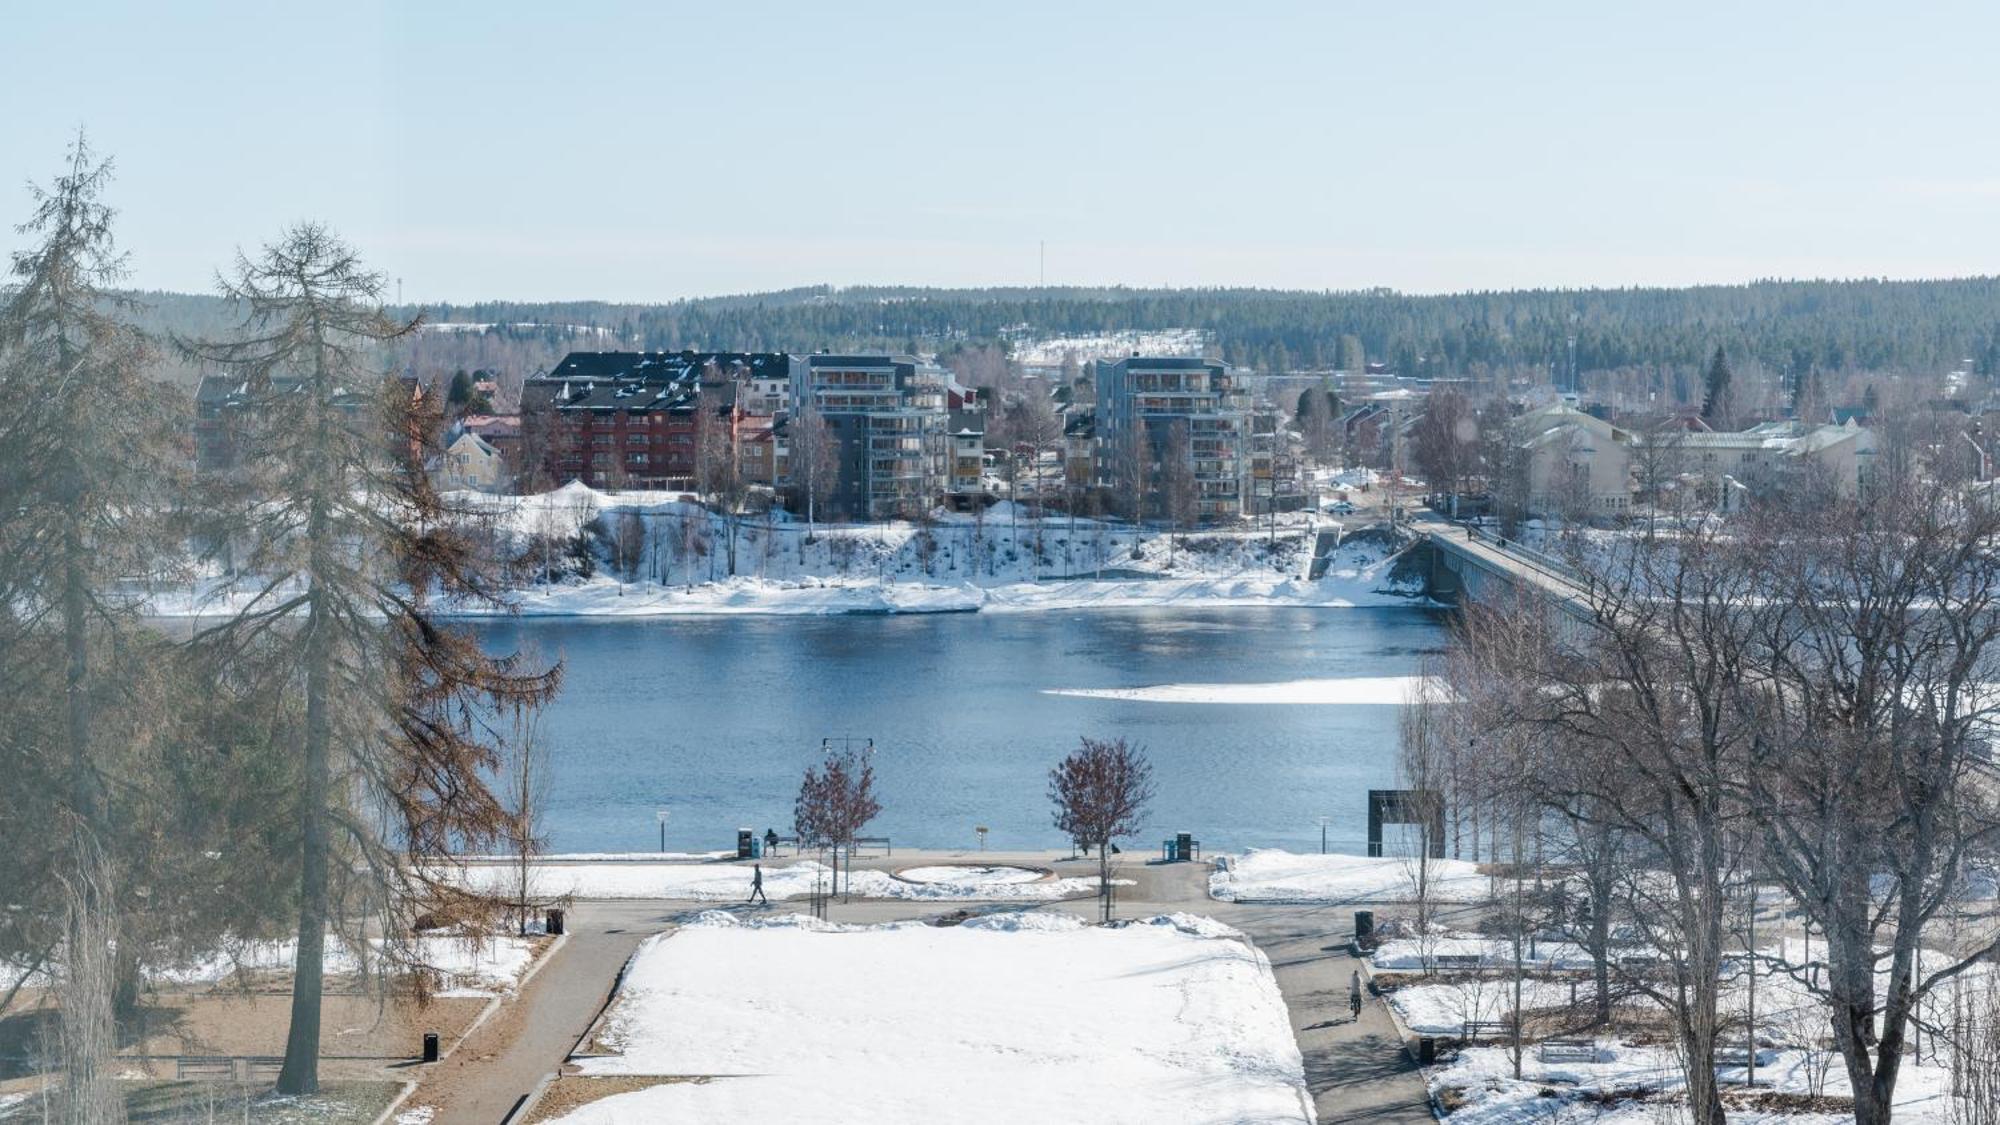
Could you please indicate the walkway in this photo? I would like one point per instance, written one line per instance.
(1355, 1071)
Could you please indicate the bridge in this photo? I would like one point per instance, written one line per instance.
(1462, 562)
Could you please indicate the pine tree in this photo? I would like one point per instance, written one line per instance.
(352, 549)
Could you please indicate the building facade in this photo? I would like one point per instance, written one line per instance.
(636, 419)
(889, 417)
(1174, 414)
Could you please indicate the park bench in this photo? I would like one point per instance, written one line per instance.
(1457, 960)
(1478, 1030)
(873, 842)
(211, 1067)
(1568, 1050)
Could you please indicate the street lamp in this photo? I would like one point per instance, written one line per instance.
(1322, 833)
(661, 815)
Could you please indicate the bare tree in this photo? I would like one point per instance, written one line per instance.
(836, 799)
(527, 791)
(1100, 793)
(1445, 444)
(1876, 636)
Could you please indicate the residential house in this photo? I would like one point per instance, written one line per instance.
(471, 462)
(1576, 462)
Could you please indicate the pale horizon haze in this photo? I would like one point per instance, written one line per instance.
(650, 152)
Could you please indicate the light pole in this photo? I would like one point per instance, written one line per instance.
(1322, 833)
(661, 815)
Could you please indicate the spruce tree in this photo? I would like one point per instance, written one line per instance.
(1717, 403)
(352, 552)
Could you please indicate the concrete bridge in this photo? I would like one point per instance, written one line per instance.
(1462, 562)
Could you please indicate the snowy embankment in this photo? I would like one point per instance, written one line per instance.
(1006, 1018)
(460, 966)
(652, 554)
(1356, 690)
(1271, 875)
(724, 882)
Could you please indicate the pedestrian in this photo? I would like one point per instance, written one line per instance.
(757, 885)
(1354, 993)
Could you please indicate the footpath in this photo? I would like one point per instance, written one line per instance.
(1355, 1070)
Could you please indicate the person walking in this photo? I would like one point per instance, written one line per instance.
(1354, 994)
(757, 885)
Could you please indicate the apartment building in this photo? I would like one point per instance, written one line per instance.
(890, 418)
(1145, 404)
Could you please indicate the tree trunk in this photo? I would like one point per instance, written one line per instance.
(300, 1073)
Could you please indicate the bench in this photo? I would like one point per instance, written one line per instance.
(210, 1067)
(1567, 1050)
(873, 842)
(1477, 1030)
(1457, 960)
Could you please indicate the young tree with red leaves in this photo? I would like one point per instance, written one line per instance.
(835, 800)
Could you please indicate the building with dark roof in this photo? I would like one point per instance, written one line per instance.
(631, 419)
(889, 417)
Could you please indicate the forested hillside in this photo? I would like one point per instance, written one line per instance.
(1785, 327)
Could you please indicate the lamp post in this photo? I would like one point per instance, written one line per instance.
(661, 815)
(1322, 833)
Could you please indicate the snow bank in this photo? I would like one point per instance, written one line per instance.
(1271, 875)
(998, 1020)
(729, 882)
(464, 966)
(1482, 1078)
(1003, 562)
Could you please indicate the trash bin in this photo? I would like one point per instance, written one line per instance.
(430, 1046)
(1364, 927)
(1427, 1051)
(756, 848)
(554, 924)
(1184, 846)
(745, 839)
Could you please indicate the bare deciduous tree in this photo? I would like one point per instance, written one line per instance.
(1100, 791)
(836, 799)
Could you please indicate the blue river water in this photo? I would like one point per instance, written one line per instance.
(715, 719)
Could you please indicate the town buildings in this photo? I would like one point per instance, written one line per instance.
(1163, 416)
(889, 416)
(638, 419)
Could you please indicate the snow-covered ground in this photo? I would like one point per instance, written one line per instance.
(1047, 350)
(1271, 875)
(725, 882)
(960, 876)
(1481, 1082)
(1006, 1018)
(463, 966)
(1003, 562)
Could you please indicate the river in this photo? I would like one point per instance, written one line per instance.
(715, 718)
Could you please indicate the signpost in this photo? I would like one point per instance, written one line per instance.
(981, 829)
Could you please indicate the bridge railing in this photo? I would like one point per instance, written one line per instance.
(1546, 563)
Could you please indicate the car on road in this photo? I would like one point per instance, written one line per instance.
(1341, 508)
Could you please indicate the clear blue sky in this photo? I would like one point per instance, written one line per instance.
(649, 151)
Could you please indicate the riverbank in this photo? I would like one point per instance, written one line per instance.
(646, 554)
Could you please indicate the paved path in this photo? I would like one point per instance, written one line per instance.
(533, 1034)
(1355, 1071)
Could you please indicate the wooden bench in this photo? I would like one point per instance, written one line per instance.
(1567, 1050)
(872, 842)
(1477, 1030)
(212, 1068)
(1457, 960)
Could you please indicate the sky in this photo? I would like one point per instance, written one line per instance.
(655, 151)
